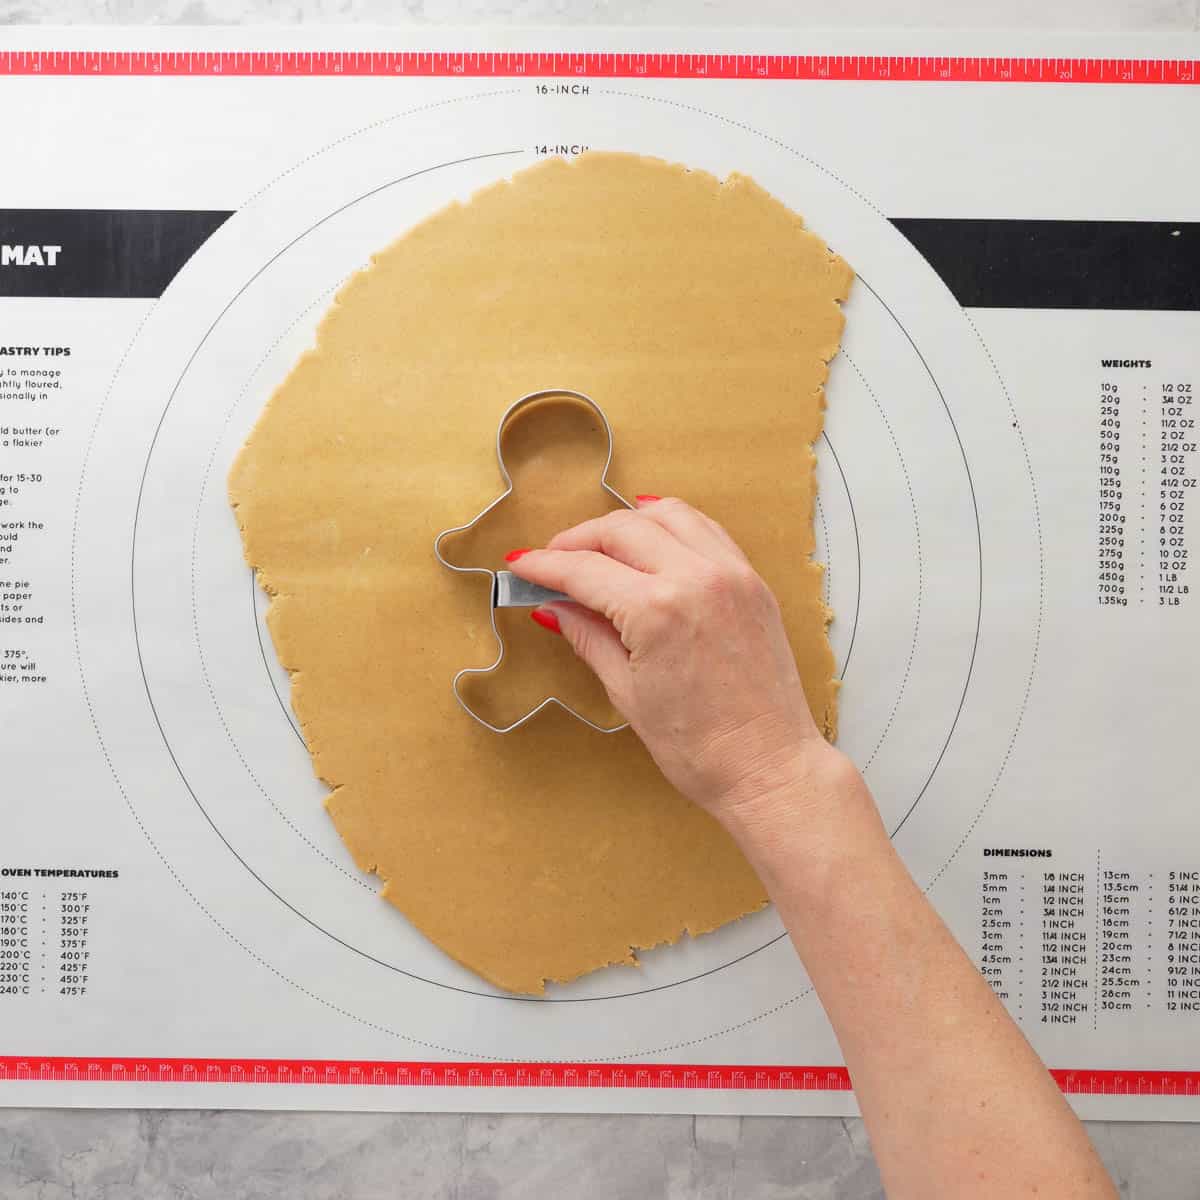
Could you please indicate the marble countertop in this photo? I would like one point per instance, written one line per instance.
(1147, 15)
(91, 1155)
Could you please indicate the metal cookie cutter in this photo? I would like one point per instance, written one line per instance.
(509, 590)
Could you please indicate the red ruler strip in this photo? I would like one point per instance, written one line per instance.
(674, 1076)
(492, 64)
(425, 1074)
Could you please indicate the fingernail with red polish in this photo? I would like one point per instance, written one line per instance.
(647, 498)
(513, 555)
(546, 619)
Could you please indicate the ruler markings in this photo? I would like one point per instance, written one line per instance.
(714, 1077)
(474, 64)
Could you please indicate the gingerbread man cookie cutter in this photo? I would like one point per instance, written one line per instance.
(509, 590)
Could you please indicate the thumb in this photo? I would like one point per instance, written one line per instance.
(594, 640)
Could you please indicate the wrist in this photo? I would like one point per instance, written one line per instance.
(807, 776)
(808, 823)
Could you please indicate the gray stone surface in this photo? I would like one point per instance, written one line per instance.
(82, 1155)
(339, 1156)
(85, 1155)
(928, 14)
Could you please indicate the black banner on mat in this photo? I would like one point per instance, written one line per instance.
(985, 263)
(1062, 264)
(97, 252)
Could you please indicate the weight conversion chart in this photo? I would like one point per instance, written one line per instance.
(1008, 512)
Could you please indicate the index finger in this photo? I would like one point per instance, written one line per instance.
(589, 578)
(629, 536)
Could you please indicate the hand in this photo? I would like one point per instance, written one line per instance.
(688, 642)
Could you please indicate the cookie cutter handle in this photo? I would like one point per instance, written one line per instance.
(511, 591)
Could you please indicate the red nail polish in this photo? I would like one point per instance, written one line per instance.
(647, 498)
(546, 619)
(513, 555)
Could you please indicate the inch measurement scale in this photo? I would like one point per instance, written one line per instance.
(669, 1076)
(508, 65)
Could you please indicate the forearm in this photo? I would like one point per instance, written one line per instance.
(690, 645)
(955, 1100)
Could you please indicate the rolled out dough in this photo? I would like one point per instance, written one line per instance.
(701, 316)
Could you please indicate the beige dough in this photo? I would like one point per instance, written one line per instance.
(701, 316)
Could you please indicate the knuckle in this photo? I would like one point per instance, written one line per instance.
(663, 605)
(614, 527)
(622, 518)
(734, 582)
(718, 579)
(665, 597)
(670, 504)
(748, 580)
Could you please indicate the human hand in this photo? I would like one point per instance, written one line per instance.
(689, 643)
